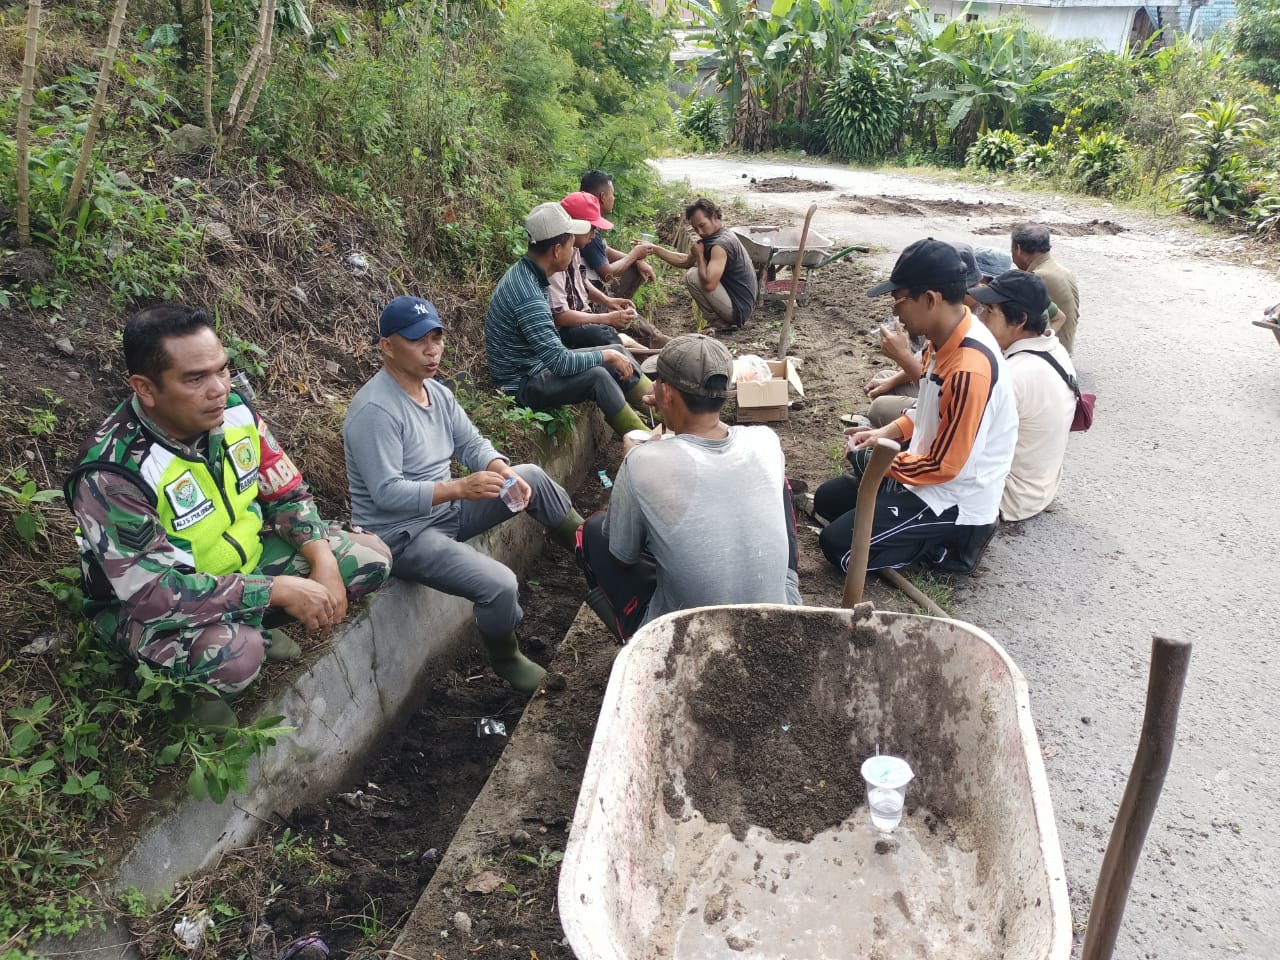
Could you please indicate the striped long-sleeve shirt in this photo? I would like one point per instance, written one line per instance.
(963, 429)
(520, 336)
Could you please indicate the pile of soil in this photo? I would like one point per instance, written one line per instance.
(914, 207)
(774, 749)
(789, 185)
(1104, 228)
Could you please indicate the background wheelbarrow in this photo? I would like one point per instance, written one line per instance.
(773, 247)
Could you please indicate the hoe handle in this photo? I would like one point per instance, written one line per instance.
(855, 578)
(1169, 662)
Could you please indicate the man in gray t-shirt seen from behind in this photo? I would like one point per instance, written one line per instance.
(402, 432)
(700, 513)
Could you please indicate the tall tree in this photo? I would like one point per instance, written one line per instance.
(99, 107)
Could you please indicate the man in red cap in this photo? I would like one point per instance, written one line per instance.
(585, 315)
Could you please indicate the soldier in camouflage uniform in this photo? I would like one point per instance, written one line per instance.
(195, 526)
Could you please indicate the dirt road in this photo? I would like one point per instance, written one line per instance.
(1166, 523)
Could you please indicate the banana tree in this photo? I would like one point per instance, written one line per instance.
(988, 76)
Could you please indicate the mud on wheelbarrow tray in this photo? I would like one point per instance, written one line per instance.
(723, 815)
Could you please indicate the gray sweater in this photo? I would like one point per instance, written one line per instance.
(397, 451)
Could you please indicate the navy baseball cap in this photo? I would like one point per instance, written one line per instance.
(923, 264)
(1015, 286)
(971, 273)
(992, 262)
(411, 317)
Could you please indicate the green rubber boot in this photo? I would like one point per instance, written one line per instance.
(626, 419)
(200, 712)
(512, 665)
(566, 535)
(635, 396)
(281, 646)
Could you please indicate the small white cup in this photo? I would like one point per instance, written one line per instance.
(887, 778)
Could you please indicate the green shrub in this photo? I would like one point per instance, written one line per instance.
(1216, 183)
(1099, 161)
(995, 150)
(1257, 39)
(1264, 215)
(1036, 158)
(1214, 193)
(703, 122)
(861, 111)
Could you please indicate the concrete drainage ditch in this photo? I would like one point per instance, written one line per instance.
(367, 677)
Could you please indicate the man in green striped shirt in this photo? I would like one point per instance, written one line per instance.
(527, 358)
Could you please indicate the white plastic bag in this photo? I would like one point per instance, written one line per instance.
(753, 369)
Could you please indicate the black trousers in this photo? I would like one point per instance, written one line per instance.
(628, 590)
(904, 530)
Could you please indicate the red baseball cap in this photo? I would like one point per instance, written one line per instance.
(585, 206)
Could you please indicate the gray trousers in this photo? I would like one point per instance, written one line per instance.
(544, 390)
(714, 302)
(884, 410)
(437, 557)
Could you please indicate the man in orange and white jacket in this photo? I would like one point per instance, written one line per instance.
(940, 501)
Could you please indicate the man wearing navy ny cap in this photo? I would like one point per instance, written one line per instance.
(402, 431)
(940, 500)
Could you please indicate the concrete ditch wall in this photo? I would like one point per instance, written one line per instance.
(341, 701)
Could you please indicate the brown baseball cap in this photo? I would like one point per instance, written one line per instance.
(695, 364)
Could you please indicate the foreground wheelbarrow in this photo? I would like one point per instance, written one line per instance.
(722, 813)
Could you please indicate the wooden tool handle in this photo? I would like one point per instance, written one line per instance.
(1169, 662)
(784, 342)
(855, 578)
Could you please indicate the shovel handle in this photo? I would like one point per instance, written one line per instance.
(1169, 662)
(855, 578)
(784, 342)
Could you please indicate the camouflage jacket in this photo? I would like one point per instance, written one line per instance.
(128, 561)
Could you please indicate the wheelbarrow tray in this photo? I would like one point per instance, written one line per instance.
(661, 863)
(778, 246)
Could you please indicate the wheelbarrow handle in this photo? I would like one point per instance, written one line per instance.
(1169, 662)
(855, 578)
(840, 255)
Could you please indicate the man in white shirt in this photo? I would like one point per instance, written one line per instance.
(701, 517)
(940, 500)
(1013, 307)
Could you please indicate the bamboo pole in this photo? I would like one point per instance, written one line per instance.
(22, 135)
(247, 72)
(260, 79)
(99, 107)
(207, 20)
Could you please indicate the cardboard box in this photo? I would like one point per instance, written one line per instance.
(766, 401)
